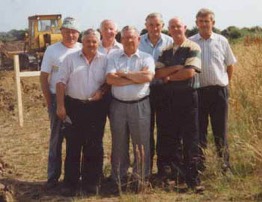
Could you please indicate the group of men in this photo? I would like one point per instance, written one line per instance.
(172, 81)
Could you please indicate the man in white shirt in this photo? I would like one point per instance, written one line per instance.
(217, 68)
(129, 72)
(82, 80)
(108, 43)
(52, 60)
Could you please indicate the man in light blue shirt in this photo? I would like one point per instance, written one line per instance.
(154, 42)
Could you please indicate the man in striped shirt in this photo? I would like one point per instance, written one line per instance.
(217, 68)
(178, 67)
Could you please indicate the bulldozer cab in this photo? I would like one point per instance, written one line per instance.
(43, 30)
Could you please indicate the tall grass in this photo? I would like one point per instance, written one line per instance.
(246, 105)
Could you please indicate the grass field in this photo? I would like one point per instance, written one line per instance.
(23, 151)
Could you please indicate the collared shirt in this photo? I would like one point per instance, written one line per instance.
(53, 59)
(187, 54)
(146, 45)
(82, 78)
(116, 46)
(118, 60)
(216, 57)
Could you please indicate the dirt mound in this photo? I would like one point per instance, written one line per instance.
(12, 45)
(31, 92)
(7, 50)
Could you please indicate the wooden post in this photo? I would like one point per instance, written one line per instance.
(19, 74)
(18, 91)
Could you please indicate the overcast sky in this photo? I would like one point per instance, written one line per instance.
(240, 13)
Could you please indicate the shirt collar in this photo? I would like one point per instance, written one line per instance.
(137, 53)
(98, 54)
(148, 40)
(115, 45)
(211, 37)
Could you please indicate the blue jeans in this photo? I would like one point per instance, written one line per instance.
(55, 143)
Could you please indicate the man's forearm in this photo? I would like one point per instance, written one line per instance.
(140, 76)
(230, 70)
(45, 88)
(116, 80)
(167, 71)
(182, 74)
(60, 94)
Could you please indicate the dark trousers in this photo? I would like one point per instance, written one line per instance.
(213, 104)
(177, 146)
(84, 155)
(155, 98)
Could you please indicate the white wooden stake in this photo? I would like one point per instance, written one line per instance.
(18, 91)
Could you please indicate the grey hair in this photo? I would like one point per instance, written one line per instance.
(129, 28)
(155, 15)
(104, 21)
(205, 12)
(91, 31)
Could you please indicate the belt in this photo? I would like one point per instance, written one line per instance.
(131, 101)
(78, 100)
(216, 87)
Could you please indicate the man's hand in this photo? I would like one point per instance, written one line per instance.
(61, 112)
(96, 96)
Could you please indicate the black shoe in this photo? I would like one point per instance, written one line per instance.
(51, 184)
(68, 191)
(90, 189)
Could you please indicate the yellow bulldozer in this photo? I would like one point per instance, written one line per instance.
(43, 30)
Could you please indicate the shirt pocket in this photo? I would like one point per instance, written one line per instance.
(217, 54)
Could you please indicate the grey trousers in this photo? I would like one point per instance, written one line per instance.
(130, 121)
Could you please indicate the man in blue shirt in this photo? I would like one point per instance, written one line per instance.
(154, 42)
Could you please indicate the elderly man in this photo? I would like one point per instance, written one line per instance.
(154, 42)
(217, 68)
(179, 66)
(81, 80)
(130, 72)
(52, 62)
(108, 44)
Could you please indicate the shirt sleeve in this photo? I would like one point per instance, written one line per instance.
(47, 61)
(194, 58)
(64, 72)
(230, 58)
(150, 63)
(111, 64)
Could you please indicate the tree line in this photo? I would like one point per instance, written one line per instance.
(232, 33)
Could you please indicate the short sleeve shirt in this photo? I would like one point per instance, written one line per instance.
(187, 54)
(82, 78)
(216, 57)
(120, 61)
(53, 59)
